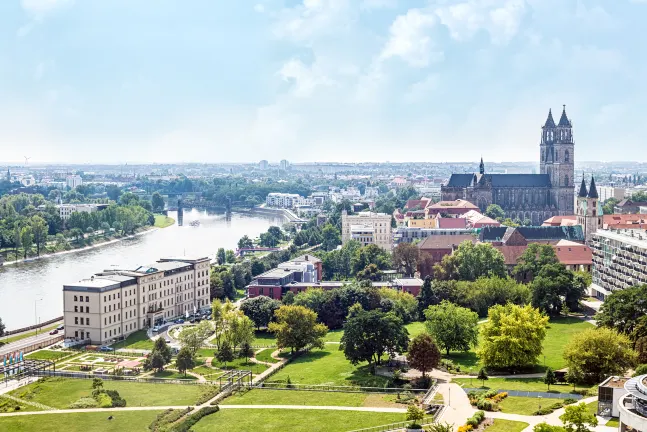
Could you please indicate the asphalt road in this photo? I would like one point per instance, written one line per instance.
(23, 343)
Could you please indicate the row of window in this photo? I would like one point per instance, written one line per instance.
(111, 318)
(87, 309)
(80, 298)
(81, 321)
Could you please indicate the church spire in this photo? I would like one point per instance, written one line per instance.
(550, 123)
(583, 192)
(564, 121)
(593, 192)
(482, 166)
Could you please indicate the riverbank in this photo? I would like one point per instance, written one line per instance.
(92, 246)
(287, 214)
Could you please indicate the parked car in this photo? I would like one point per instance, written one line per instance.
(179, 321)
(53, 332)
(156, 329)
(61, 327)
(106, 349)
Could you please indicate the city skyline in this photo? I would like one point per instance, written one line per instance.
(371, 80)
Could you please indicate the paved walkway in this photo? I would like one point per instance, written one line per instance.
(311, 407)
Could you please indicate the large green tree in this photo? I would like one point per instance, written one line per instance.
(193, 338)
(595, 354)
(470, 262)
(512, 337)
(184, 360)
(157, 202)
(552, 283)
(260, 309)
(495, 212)
(331, 237)
(578, 418)
(405, 258)
(623, 309)
(40, 229)
(423, 354)
(533, 259)
(453, 327)
(296, 327)
(369, 335)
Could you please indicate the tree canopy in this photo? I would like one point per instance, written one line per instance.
(260, 309)
(423, 354)
(453, 327)
(470, 262)
(296, 327)
(623, 309)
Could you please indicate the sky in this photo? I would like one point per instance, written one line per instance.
(159, 81)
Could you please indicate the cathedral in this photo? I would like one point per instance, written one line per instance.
(535, 197)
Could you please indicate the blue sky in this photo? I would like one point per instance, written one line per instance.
(318, 80)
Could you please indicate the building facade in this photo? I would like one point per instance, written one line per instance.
(589, 210)
(534, 197)
(74, 181)
(66, 210)
(619, 260)
(115, 303)
(632, 406)
(379, 223)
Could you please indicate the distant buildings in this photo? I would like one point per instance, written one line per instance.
(73, 181)
(627, 206)
(283, 200)
(608, 192)
(115, 303)
(620, 260)
(66, 210)
(284, 165)
(367, 225)
(263, 165)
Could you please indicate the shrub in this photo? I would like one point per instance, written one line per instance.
(188, 422)
(569, 401)
(86, 402)
(167, 417)
(464, 428)
(490, 394)
(207, 394)
(499, 397)
(104, 401)
(487, 405)
(640, 370)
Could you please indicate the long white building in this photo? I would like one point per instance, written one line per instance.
(115, 303)
(368, 228)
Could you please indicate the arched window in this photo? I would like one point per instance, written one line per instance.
(566, 156)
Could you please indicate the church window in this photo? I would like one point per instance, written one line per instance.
(566, 156)
(566, 181)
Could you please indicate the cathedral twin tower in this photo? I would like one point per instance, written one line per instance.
(557, 160)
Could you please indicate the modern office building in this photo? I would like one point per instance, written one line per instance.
(619, 260)
(115, 303)
(380, 223)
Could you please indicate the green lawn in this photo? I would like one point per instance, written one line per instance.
(275, 420)
(266, 356)
(264, 339)
(415, 328)
(60, 392)
(296, 397)
(80, 422)
(9, 339)
(240, 364)
(334, 336)
(47, 355)
(328, 366)
(169, 374)
(521, 384)
(162, 221)
(593, 407)
(525, 405)
(501, 425)
(559, 332)
(614, 422)
(137, 340)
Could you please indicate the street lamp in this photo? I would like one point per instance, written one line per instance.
(35, 315)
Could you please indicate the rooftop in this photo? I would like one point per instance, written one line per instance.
(409, 282)
(615, 382)
(629, 236)
(454, 204)
(445, 241)
(310, 258)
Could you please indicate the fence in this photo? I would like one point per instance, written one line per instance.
(332, 388)
(429, 396)
(396, 426)
(33, 327)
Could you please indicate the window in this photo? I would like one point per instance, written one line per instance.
(566, 156)
(81, 298)
(87, 321)
(76, 308)
(87, 309)
(76, 334)
(87, 299)
(76, 320)
(75, 298)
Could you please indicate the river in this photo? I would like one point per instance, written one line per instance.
(22, 286)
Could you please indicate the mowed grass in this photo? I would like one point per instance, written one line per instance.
(137, 340)
(334, 336)
(47, 355)
(296, 397)
(501, 425)
(266, 356)
(559, 332)
(521, 384)
(415, 328)
(264, 338)
(80, 422)
(169, 374)
(525, 405)
(60, 392)
(162, 221)
(279, 420)
(328, 366)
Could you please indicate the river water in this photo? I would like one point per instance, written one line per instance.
(23, 285)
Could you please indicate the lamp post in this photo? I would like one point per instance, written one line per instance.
(35, 314)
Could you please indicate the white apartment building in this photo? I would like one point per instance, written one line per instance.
(74, 181)
(619, 260)
(371, 192)
(66, 210)
(115, 303)
(606, 192)
(379, 222)
(285, 200)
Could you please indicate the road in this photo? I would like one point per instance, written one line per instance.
(23, 343)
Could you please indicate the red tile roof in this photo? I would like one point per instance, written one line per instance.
(511, 253)
(451, 223)
(454, 204)
(571, 253)
(561, 221)
(621, 221)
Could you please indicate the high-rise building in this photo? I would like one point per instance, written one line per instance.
(284, 165)
(74, 181)
(263, 165)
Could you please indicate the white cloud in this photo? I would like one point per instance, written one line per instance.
(466, 18)
(38, 7)
(378, 4)
(305, 79)
(421, 90)
(311, 19)
(409, 39)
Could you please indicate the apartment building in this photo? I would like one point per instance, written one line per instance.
(74, 181)
(286, 200)
(114, 303)
(380, 223)
(619, 260)
(66, 210)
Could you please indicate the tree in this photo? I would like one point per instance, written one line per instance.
(193, 338)
(97, 383)
(512, 337)
(27, 238)
(550, 378)
(275, 232)
(405, 258)
(370, 273)
(423, 354)
(154, 361)
(260, 309)
(368, 335)
(228, 286)
(369, 254)
(296, 328)
(545, 427)
(246, 351)
(241, 329)
(225, 354)
(162, 347)
(453, 327)
(470, 262)
(245, 242)
(485, 292)
(415, 416)
(425, 297)
(577, 418)
(184, 360)
(554, 282)
(623, 309)
(40, 229)
(230, 256)
(220, 256)
(482, 376)
(533, 259)
(331, 237)
(594, 354)
(17, 239)
(288, 298)
(609, 205)
(495, 212)
(640, 346)
(157, 202)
